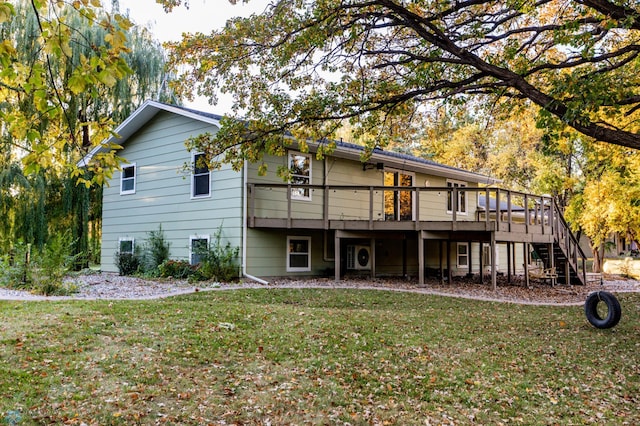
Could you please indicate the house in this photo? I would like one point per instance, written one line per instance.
(393, 215)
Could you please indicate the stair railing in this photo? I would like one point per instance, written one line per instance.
(569, 244)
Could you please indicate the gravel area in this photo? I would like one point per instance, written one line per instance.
(114, 287)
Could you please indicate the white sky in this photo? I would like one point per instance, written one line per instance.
(202, 16)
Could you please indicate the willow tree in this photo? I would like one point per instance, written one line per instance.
(303, 67)
(69, 73)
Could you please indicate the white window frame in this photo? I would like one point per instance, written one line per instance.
(460, 184)
(298, 269)
(194, 175)
(460, 255)
(133, 244)
(197, 237)
(295, 192)
(134, 178)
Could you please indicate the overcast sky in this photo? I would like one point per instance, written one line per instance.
(202, 16)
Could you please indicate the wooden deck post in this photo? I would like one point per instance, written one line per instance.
(509, 262)
(552, 261)
(420, 258)
(480, 260)
(448, 262)
(494, 273)
(441, 268)
(336, 262)
(513, 257)
(525, 256)
(469, 258)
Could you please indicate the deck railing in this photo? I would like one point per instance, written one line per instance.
(357, 202)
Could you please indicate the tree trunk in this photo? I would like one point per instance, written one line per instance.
(598, 257)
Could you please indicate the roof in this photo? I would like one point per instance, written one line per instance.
(345, 150)
(139, 118)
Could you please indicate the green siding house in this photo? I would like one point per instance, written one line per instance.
(394, 215)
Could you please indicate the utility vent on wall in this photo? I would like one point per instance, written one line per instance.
(358, 257)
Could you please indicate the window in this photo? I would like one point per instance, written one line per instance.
(198, 247)
(128, 179)
(300, 168)
(201, 177)
(398, 204)
(461, 200)
(298, 254)
(125, 245)
(463, 255)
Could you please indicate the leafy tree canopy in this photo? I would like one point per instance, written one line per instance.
(305, 66)
(59, 61)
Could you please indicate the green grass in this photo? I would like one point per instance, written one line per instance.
(315, 357)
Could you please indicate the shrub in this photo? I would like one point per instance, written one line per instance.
(53, 264)
(219, 262)
(176, 269)
(155, 252)
(41, 272)
(127, 263)
(15, 271)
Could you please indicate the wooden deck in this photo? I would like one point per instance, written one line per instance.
(490, 215)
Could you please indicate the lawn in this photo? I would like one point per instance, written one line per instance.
(315, 357)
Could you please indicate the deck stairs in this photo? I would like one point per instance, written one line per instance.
(564, 253)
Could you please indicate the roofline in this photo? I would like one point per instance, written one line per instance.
(139, 118)
(406, 162)
(150, 108)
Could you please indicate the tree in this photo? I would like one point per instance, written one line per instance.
(68, 74)
(607, 201)
(53, 71)
(302, 67)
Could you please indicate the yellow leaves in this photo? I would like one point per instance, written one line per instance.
(76, 83)
(6, 11)
(107, 78)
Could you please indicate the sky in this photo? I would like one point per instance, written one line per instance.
(201, 16)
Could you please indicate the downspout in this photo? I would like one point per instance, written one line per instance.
(244, 228)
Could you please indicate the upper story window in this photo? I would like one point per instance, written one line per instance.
(200, 177)
(300, 167)
(398, 203)
(461, 199)
(128, 179)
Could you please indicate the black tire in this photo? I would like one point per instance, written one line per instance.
(613, 307)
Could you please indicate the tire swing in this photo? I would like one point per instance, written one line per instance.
(614, 312)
